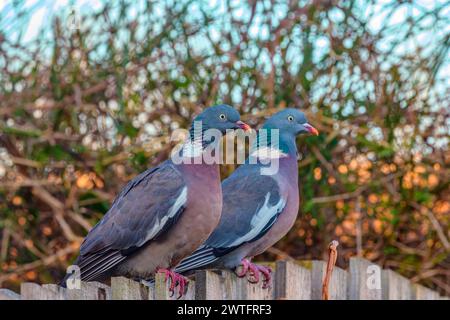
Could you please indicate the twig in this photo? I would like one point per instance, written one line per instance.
(429, 274)
(43, 262)
(41, 193)
(436, 225)
(5, 243)
(409, 250)
(26, 162)
(58, 210)
(26, 183)
(280, 253)
(336, 197)
(359, 227)
(22, 242)
(326, 164)
(78, 218)
(332, 256)
(441, 284)
(350, 195)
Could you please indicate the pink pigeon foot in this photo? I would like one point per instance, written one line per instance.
(175, 279)
(267, 273)
(253, 270)
(244, 264)
(253, 273)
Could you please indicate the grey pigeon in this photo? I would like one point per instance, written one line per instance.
(163, 214)
(258, 209)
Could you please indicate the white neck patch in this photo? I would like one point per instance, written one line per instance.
(268, 153)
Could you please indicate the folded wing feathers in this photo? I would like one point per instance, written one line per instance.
(93, 274)
(201, 257)
(95, 264)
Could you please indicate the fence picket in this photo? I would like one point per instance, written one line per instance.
(395, 287)
(292, 281)
(30, 291)
(420, 292)
(126, 289)
(364, 280)
(6, 294)
(338, 282)
(208, 285)
(90, 291)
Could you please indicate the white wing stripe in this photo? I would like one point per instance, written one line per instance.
(260, 220)
(94, 273)
(200, 252)
(159, 225)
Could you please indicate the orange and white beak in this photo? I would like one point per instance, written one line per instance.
(243, 126)
(311, 129)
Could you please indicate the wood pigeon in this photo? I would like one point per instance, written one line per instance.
(258, 208)
(163, 214)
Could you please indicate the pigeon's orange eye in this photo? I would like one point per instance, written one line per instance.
(290, 118)
(222, 116)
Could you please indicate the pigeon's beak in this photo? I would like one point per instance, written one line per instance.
(311, 129)
(243, 126)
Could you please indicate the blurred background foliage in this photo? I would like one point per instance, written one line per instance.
(90, 95)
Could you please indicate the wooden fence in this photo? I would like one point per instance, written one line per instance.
(291, 280)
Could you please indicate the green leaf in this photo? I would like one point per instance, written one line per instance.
(126, 128)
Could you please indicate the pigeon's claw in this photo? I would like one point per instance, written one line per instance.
(267, 273)
(245, 266)
(182, 282)
(176, 279)
(253, 272)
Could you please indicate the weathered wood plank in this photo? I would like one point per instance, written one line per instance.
(209, 285)
(395, 287)
(292, 281)
(55, 291)
(231, 290)
(364, 282)
(225, 285)
(6, 294)
(151, 291)
(254, 291)
(90, 291)
(420, 292)
(338, 282)
(31, 291)
(126, 289)
(162, 289)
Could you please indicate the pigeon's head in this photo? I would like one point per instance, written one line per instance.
(290, 122)
(221, 117)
